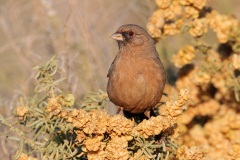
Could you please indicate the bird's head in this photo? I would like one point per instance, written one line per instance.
(132, 35)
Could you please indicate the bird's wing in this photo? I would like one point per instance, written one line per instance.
(112, 66)
(109, 70)
(157, 63)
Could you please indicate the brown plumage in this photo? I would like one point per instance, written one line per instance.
(137, 76)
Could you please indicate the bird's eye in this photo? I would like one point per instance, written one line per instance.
(130, 33)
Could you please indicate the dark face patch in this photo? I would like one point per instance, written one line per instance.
(128, 35)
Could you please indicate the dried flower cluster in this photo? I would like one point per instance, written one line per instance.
(167, 119)
(198, 27)
(209, 128)
(24, 156)
(190, 153)
(184, 56)
(172, 15)
(224, 26)
(92, 126)
(235, 61)
(21, 112)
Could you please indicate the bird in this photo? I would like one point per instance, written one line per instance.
(136, 77)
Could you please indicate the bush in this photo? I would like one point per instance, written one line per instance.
(210, 69)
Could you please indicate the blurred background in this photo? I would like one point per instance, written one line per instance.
(78, 32)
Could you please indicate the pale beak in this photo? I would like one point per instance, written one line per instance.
(117, 36)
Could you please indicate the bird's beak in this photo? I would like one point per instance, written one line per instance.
(117, 36)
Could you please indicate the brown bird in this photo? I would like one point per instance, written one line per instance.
(136, 76)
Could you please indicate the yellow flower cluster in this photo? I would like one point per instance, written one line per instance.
(96, 123)
(172, 28)
(24, 156)
(21, 112)
(220, 82)
(192, 7)
(168, 11)
(184, 56)
(202, 77)
(190, 153)
(217, 135)
(208, 108)
(199, 4)
(163, 3)
(222, 25)
(223, 78)
(93, 144)
(172, 11)
(155, 22)
(198, 27)
(99, 122)
(217, 72)
(55, 104)
(186, 80)
(168, 19)
(215, 100)
(169, 114)
(169, 8)
(119, 125)
(235, 59)
(234, 152)
(80, 137)
(153, 126)
(211, 121)
(92, 122)
(91, 127)
(191, 12)
(95, 148)
(173, 15)
(117, 148)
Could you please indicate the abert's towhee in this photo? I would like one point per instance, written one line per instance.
(137, 76)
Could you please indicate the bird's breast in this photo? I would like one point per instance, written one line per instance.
(133, 80)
